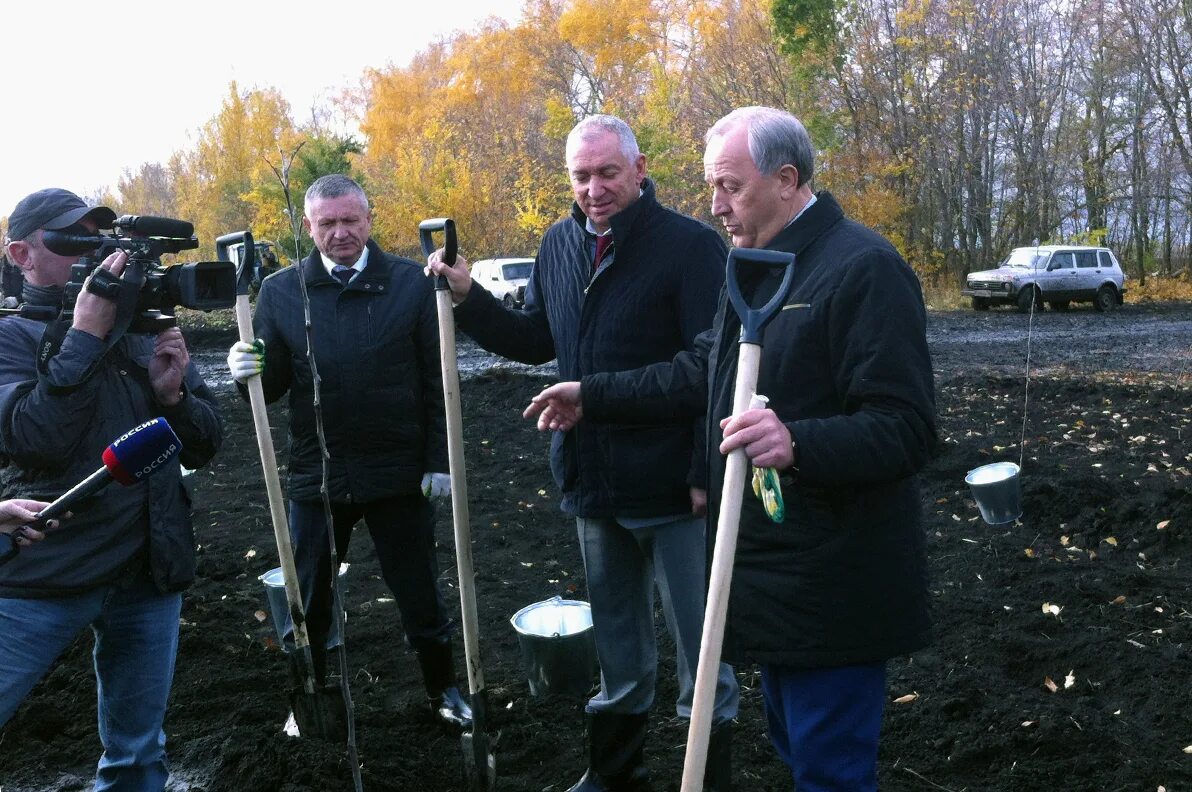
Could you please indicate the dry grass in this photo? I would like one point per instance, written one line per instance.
(1157, 289)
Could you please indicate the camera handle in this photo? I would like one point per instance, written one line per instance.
(126, 296)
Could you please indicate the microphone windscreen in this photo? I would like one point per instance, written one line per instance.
(141, 451)
(158, 226)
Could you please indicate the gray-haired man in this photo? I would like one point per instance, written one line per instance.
(376, 345)
(620, 283)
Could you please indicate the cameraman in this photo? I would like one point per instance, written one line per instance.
(120, 564)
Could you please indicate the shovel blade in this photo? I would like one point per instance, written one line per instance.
(320, 714)
(480, 765)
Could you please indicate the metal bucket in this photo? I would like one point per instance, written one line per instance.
(558, 646)
(279, 606)
(997, 490)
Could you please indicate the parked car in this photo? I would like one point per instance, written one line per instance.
(505, 278)
(1053, 274)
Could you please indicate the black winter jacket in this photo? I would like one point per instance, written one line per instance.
(649, 302)
(845, 365)
(52, 440)
(376, 345)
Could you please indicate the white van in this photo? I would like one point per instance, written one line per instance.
(504, 278)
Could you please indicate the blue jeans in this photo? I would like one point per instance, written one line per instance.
(825, 724)
(622, 565)
(136, 641)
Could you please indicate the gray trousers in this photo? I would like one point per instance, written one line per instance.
(622, 565)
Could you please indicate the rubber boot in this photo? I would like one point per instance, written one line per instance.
(616, 761)
(447, 704)
(718, 769)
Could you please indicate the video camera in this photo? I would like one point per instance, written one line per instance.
(203, 285)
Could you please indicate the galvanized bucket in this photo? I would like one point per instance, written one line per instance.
(558, 646)
(997, 490)
(279, 606)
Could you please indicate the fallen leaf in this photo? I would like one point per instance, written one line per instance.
(907, 699)
(1069, 680)
(1029, 552)
(1188, 749)
(251, 554)
(1064, 540)
(261, 615)
(1053, 610)
(1120, 599)
(1050, 685)
(1163, 525)
(1111, 540)
(1028, 724)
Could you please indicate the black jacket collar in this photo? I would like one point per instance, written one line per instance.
(818, 218)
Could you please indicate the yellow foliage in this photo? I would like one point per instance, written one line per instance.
(1160, 289)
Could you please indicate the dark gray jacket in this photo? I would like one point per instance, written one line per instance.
(649, 302)
(52, 440)
(377, 352)
(845, 365)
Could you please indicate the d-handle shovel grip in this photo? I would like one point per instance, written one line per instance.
(753, 321)
(426, 234)
(247, 264)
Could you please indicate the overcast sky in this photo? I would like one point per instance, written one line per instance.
(91, 88)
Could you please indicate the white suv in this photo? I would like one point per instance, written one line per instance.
(505, 278)
(1055, 274)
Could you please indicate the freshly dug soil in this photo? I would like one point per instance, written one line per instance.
(1086, 594)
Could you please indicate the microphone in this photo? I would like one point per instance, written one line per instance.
(132, 457)
(156, 226)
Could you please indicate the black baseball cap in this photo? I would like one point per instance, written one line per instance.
(53, 209)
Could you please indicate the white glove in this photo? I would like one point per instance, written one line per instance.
(436, 485)
(246, 360)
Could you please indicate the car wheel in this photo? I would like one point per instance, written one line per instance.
(1026, 296)
(509, 301)
(1058, 305)
(1106, 299)
(980, 303)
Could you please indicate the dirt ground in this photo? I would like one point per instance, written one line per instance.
(1062, 658)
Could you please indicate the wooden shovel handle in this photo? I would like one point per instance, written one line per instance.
(459, 493)
(277, 508)
(719, 581)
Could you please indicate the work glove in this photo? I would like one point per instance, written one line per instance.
(436, 485)
(246, 360)
(766, 486)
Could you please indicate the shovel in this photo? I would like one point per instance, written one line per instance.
(479, 764)
(749, 355)
(318, 711)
